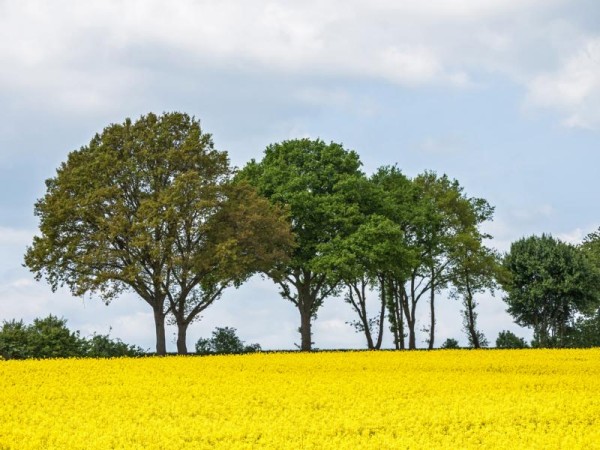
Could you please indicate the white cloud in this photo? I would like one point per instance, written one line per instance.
(573, 89)
(91, 56)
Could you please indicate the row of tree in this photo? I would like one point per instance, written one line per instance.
(152, 207)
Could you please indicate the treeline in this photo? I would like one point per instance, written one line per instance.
(152, 207)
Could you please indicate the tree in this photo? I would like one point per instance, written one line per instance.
(474, 269)
(141, 208)
(435, 216)
(311, 178)
(397, 202)
(549, 282)
(363, 260)
(507, 339)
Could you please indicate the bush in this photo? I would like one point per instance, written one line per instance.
(450, 344)
(507, 339)
(102, 346)
(14, 340)
(50, 338)
(224, 341)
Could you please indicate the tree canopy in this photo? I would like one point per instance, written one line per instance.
(548, 283)
(150, 206)
(314, 180)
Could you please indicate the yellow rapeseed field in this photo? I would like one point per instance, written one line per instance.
(453, 399)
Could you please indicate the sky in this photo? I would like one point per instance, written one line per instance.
(502, 95)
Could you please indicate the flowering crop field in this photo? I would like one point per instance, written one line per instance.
(340, 400)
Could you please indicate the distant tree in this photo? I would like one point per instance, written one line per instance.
(145, 207)
(450, 343)
(312, 179)
(549, 283)
(224, 341)
(507, 339)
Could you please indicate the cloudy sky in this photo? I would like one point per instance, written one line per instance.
(503, 95)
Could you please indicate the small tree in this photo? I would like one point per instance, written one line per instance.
(507, 339)
(224, 341)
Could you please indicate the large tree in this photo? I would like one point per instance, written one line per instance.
(314, 180)
(548, 283)
(150, 206)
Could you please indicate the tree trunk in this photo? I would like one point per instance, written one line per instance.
(432, 309)
(400, 322)
(181, 338)
(409, 313)
(305, 329)
(381, 313)
(159, 325)
(471, 318)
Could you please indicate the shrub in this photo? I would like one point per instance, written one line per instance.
(450, 344)
(102, 346)
(50, 338)
(507, 339)
(14, 340)
(224, 341)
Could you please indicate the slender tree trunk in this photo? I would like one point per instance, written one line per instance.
(383, 288)
(432, 310)
(409, 305)
(400, 321)
(393, 314)
(181, 338)
(159, 325)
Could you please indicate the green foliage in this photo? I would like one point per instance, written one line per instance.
(549, 282)
(317, 182)
(102, 346)
(507, 339)
(585, 332)
(224, 341)
(50, 338)
(14, 340)
(450, 343)
(150, 206)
